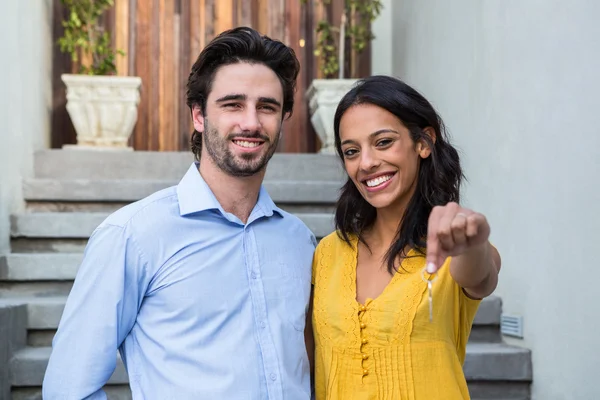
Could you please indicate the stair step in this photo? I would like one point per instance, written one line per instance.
(113, 392)
(170, 166)
(39, 266)
(497, 362)
(129, 190)
(45, 312)
(484, 363)
(28, 366)
(499, 390)
(79, 225)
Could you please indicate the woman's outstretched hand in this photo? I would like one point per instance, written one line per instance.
(452, 231)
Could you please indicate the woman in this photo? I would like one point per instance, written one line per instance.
(398, 226)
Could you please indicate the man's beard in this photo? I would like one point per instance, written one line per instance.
(246, 164)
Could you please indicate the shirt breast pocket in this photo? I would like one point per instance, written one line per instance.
(295, 291)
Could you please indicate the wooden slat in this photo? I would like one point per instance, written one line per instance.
(143, 60)
(62, 128)
(224, 15)
(166, 76)
(154, 114)
(263, 17)
(209, 20)
(295, 126)
(184, 61)
(132, 37)
(196, 26)
(276, 22)
(121, 36)
(254, 11)
(245, 13)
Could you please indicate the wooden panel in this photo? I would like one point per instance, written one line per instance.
(209, 20)
(263, 17)
(244, 13)
(166, 72)
(143, 60)
(121, 36)
(163, 38)
(185, 24)
(294, 129)
(61, 126)
(223, 15)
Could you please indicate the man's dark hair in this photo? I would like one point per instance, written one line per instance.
(233, 46)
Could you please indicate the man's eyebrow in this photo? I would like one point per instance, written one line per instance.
(269, 100)
(233, 96)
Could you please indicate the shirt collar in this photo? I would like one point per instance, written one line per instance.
(194, 195)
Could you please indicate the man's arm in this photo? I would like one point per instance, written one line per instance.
(99, 313)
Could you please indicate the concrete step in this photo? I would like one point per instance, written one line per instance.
(170, 166)
(129, 190)
(497, 390)
(79, 225)
(44, 312)
(28, 365)
(113, 392)
(39, 267)
(485, 362)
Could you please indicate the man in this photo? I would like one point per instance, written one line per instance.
(202, 287)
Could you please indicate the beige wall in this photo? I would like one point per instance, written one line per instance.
(518, 84)
(25, 98)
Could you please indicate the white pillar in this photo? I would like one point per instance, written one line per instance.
(25, 98)
(382, 46)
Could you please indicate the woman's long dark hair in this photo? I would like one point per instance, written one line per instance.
(439, 177)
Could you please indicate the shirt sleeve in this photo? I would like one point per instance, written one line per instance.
(99, 313)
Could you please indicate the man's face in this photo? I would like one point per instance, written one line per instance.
(242, 123)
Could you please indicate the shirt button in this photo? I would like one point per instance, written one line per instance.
(364, 356)
(365, 372)
(262, 324)
(363, 308)
(273, 377)
(365, 341)
(362, 326)
(253, 275)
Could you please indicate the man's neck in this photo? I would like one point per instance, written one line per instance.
(237, 195)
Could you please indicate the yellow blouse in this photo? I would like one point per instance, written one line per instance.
(387, 348)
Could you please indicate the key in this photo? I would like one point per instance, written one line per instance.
(429, 291)
(430, 301)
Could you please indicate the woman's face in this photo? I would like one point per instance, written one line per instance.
(379, 155)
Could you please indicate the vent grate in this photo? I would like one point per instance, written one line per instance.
(511, 325)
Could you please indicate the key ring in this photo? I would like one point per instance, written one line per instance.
(429, 289)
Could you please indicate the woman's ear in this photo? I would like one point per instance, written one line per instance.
(423, 147)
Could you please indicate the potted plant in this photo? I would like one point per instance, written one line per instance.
(101, 105)
(338, 48)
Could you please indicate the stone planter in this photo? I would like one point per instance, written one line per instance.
(323, 98)
(103, 109)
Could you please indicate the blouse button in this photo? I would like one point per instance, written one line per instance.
(363, 326)
(363, 308)
(365, 341)
(365, 372)
(364, 356)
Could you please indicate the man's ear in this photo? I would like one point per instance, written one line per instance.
(423, 147)
(198, 118)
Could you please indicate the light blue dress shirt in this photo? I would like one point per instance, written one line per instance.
(199, 304)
